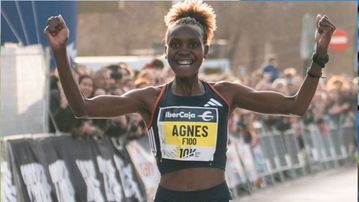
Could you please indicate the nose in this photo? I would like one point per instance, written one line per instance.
(183, 51)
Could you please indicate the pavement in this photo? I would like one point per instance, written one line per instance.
(335, 185)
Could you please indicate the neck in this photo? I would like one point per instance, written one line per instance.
(187, 86)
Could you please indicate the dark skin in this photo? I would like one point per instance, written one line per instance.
(185, 51)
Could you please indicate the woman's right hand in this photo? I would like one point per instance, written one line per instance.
(56, 33)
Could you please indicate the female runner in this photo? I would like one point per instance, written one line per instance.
(187, 117)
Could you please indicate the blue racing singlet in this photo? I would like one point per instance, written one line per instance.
(189, 131)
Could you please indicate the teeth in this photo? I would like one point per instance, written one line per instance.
(184, 62)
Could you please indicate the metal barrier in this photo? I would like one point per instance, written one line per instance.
(330, 148)
(282, 153)
(280, 156)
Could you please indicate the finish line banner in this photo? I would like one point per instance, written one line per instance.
(65, 169)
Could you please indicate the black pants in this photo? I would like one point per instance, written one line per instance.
(219, 193)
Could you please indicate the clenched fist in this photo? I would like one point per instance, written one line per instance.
(325, 29)
(56, 33)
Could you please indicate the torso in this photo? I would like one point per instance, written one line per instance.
(189, 179)
(192, 179)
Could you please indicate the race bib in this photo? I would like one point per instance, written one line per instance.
(188, 133)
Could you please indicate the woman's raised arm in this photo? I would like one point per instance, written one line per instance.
(276, 103)
(57, 35)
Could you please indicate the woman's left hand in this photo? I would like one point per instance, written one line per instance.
(323, 34)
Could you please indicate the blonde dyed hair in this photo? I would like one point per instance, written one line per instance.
(196, 13)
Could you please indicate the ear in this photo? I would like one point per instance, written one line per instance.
(166, 51)
(206, 48)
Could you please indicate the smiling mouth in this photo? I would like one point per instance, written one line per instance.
(184, 63)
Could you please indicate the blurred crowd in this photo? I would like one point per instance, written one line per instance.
(335, 98)
(114, 79)
(333, 104)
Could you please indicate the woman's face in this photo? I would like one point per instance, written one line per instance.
(86, 87)
(185, 49)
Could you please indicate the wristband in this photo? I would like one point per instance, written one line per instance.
(321, 61)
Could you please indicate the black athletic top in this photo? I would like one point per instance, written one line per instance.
(189, 131)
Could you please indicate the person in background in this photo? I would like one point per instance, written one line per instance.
(142, 82)
(86, 127)
(61, 117)
(271, 68)
(102, 78)
(118, 127)
(156, 64)
(156, 68)
(86, 85)
(265, 83)
(338, 103)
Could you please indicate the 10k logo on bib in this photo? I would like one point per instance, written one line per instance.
(188, 133)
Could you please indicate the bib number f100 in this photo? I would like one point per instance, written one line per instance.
(188, 133)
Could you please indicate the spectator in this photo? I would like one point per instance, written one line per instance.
(86, 127)
(338, 103)
(86, 85)
(292, 80)
(115, 77)
(102, 79)
(136, 126)
(156, 64)
(265, 83)
(141, 83)
(61, 116)
(117, 127)
(271, 68)
(281, 86)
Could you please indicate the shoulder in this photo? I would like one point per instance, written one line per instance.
(145, 97)
(231, 90)
(146, 92)
(225, 86)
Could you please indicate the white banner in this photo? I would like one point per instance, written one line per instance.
(23, 88)
(146, 166)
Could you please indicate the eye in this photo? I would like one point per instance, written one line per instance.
(193, 44)
(174, 45)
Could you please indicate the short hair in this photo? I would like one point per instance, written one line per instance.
(157, 63)
(85, 76)
(196, 13)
